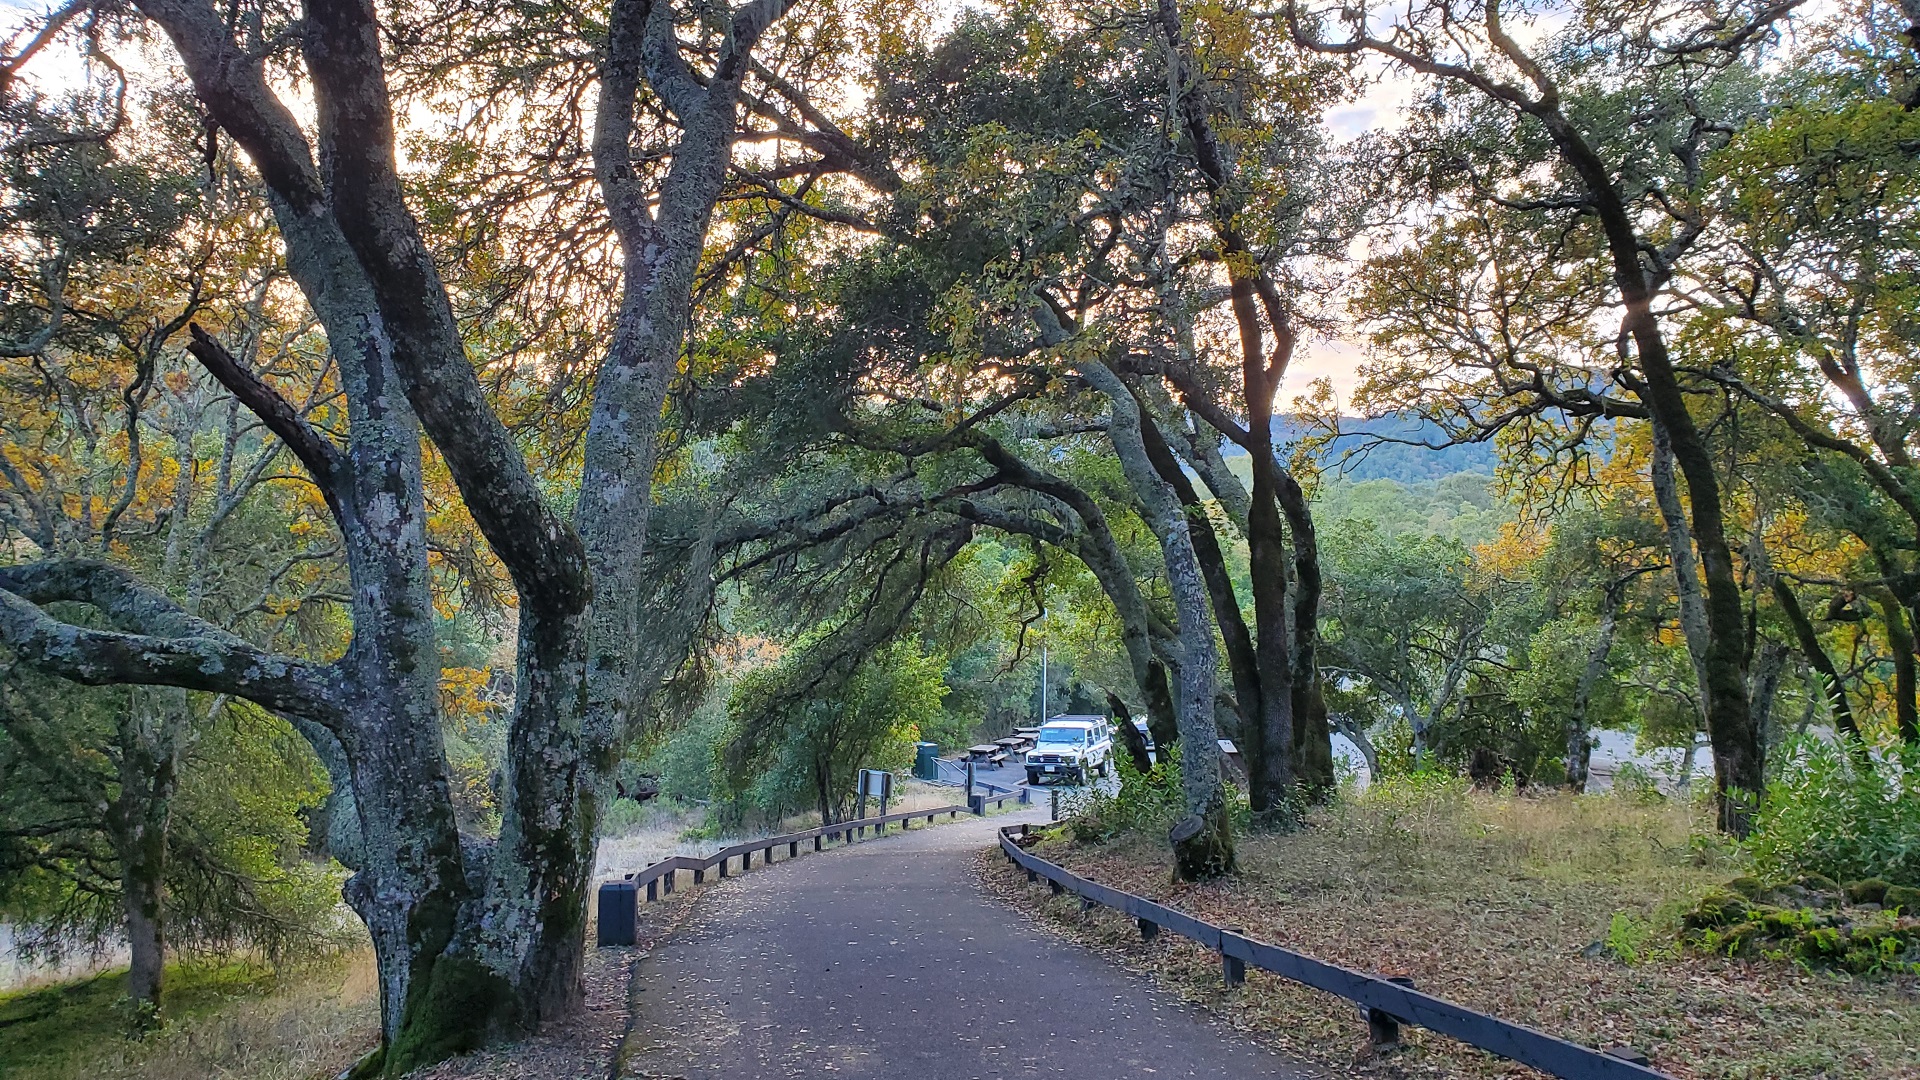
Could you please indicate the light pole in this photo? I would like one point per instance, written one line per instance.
(1043, 665)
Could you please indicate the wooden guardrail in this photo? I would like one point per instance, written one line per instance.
(1388, 1002)
(659, 878)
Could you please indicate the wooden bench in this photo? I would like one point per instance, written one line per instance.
(997, 758)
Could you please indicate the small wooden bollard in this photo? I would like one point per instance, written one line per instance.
(668, 879)
(1149, 929)
(653, 890)
(1055, 886)
(1233, 970)
(816, 843)
(699, 875)
(746, 861)
(1383, 1028)
(793, 850)
(767, 856)
(1033, 876)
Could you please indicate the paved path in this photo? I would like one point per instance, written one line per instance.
(886, 960)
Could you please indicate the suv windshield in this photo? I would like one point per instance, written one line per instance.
(1071, 736)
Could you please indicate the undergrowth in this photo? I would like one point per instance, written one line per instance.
(227, 1020)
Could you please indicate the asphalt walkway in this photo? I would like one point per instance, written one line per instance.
(886, 960)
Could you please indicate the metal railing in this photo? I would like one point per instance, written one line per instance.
(1388, 1002)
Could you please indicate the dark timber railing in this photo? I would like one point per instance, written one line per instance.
(1388, 1002)
(617, 898)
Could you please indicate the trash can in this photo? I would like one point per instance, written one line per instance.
(619, 912)
(926, 760)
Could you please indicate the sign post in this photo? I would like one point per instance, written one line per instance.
(877, 783)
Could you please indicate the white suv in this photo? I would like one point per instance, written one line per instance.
(1079, 747)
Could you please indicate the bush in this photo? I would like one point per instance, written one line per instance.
(1837, 810)
(1147, 803)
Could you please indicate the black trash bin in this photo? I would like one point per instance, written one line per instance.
(619, 912)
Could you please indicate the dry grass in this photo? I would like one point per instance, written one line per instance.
(231, 1021)
(1496, 902)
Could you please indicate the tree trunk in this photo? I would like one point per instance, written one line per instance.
(1203, 841)
(1253, 667)
(1579, 739)
(151, 739)
(1100, 553)
(1900, 644)
(1766, 688)
(1357, 734)
(1129, 735)
(1313, 738)
(1817, 658)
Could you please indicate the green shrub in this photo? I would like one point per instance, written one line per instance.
(1833, 810)
(1147, 803)
(1903, 899)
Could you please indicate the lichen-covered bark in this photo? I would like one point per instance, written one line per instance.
(1203, 841)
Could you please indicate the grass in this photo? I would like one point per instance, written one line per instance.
(1554, 911)
(224, 1020)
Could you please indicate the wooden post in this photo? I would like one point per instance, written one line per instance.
(816, 843)
(746, 861)
(1383, 1028)
(1033, 876)
(1233, 970)
(653, 890)
(671, 874)
(1149, 929)
(1056, 887)
(793, 850)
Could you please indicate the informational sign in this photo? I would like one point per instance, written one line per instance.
(876, 783)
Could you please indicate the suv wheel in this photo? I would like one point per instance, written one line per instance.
(1033, 777)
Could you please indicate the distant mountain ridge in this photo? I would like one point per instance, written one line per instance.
(1388, 460)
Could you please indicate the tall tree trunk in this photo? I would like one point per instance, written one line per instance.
(1313, 738)
(1579, 737)
(1250, 665)
(1767, 670)
(1203, 840)
(151, 740)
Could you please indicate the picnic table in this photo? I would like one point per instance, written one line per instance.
(1013, 742)
(1029, 732)
(983, 751)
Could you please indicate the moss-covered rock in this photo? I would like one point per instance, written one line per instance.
(1902, 897)
(1717, 908)
(1749, 887)
(1869, 891)
(1817, 883)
